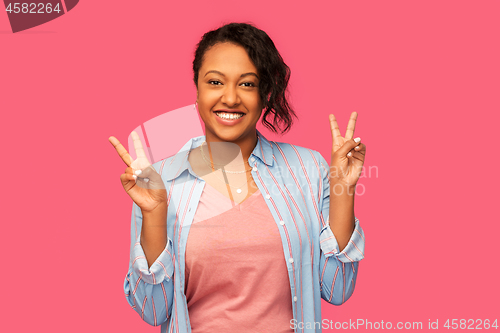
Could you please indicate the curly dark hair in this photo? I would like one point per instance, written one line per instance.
(274, 74)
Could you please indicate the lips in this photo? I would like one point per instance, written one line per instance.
(228, 122)
(229, 111)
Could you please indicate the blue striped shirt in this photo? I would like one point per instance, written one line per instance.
(295, 183)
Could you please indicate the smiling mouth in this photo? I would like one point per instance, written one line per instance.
(229, 115)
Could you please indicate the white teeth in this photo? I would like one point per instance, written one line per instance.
(228, 116)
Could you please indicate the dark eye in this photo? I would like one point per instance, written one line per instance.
(214, 82)
(249, 84)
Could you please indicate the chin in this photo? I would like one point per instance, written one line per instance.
(228, 135)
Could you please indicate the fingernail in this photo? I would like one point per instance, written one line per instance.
(138, 172)
(135, 177)
(357, 140)
(349, 154)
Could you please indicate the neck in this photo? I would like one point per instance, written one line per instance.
(231, 153)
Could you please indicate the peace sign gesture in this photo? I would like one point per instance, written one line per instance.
(140, 180)
(348, 155)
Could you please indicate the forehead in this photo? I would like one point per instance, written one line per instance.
(227, 57)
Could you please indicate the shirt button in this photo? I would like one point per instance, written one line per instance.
(295, 298)
(290, 260)
(254, 168)
(282, 222)
(268, 196)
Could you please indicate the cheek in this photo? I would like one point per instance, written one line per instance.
(255, 101)
(207, 97)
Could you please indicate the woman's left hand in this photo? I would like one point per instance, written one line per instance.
(348, 155)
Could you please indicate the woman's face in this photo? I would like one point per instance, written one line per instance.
(228, 85)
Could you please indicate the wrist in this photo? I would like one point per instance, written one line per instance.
(157, 216)
(161, 207)
(339, 188)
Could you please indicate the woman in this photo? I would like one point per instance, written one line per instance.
(232, 234)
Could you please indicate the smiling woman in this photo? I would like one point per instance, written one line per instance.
(236, 233)
(252, 49)
(228, 95)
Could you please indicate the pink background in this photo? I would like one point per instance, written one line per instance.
(423, 76)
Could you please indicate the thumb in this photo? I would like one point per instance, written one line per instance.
(348, 146)
(149, 178)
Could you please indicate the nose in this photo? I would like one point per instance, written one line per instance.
(230, 96)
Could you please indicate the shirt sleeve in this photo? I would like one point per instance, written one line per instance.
(149, 290)
(338, 269)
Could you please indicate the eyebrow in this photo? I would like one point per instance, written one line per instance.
(242, 75)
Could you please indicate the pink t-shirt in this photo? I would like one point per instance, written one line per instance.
(236, 276)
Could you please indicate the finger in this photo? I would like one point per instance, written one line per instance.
(336, 137)
(361, 148)
(356, 155)
(131, 171)
(139, 150)
(349, 133)
(128, 181)
(125, 156)
(348, 146)
(149, 178)
(148, 172)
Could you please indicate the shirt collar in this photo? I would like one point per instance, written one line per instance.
(179, 162)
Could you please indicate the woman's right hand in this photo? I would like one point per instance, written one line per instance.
(146, 189)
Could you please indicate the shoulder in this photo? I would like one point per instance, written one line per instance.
(290, 151)
(305, 159)
(169, 168)
(161, 165)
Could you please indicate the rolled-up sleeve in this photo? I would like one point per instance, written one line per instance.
(338, 269)
(353, 251)
(149, 290)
